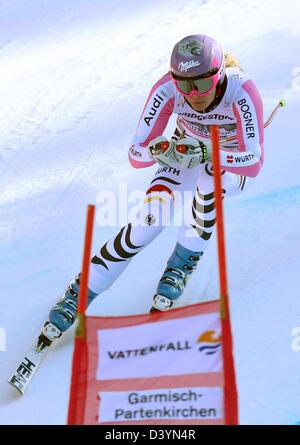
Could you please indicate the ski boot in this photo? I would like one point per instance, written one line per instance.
(179, 268)
(64, 313)
(49, 333)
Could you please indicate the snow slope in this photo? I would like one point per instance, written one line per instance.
(74, 78)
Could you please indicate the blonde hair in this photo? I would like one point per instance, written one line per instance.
(231, 61)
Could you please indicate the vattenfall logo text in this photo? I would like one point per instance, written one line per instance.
(208, 343)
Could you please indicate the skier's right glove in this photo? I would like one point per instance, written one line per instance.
(163, 150)
(191, 152)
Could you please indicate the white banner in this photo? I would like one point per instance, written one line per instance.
(171, 347)
(162, 404)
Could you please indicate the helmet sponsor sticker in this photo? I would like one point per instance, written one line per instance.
(190, 47)
(184, 66)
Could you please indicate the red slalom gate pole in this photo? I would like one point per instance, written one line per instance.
(230, 390)
(79, 363)
(84, 278)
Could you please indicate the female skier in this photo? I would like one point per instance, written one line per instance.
(203, 87)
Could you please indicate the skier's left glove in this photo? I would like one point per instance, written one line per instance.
(163, 150)
(191, 152)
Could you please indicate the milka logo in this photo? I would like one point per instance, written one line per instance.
(187, 65)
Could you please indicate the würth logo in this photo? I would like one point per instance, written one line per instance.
(230, 159)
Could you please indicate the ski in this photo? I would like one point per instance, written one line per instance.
(26, 369)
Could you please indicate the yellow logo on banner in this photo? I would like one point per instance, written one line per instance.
(210, 342)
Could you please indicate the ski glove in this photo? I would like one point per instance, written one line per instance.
(162, 150)
(190, 152)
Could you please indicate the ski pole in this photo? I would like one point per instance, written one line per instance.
(280, 104)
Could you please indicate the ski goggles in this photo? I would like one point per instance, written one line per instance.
(201, 86)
